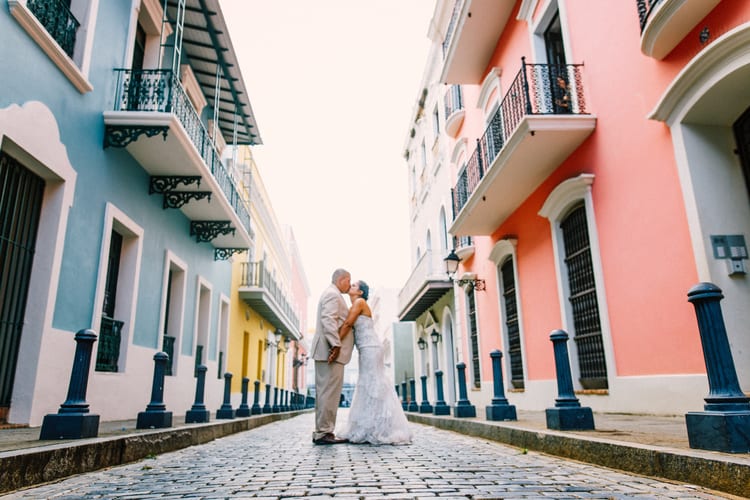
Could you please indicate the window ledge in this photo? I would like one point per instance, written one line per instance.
(592, 392)
(36, 31)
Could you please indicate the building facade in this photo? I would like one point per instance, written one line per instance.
(118, 213)
(269, 297)
(601, 169)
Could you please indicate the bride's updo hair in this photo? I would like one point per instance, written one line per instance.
(364, 288)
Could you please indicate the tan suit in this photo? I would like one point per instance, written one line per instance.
(329, 378)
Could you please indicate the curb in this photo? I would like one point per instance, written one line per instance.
(34, 466)
(719, 472)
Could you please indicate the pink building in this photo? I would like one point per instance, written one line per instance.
(601, 167)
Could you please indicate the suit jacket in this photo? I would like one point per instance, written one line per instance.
(332, 311)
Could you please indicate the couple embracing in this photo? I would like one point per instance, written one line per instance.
(375, 416)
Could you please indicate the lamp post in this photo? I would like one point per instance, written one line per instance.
(451, 267)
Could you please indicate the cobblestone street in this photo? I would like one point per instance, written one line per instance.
(279, 461)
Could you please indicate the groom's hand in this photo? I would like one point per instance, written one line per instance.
(333, 353)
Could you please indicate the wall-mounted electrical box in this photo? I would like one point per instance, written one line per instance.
(732, 249)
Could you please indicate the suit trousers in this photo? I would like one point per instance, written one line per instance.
(329, 379)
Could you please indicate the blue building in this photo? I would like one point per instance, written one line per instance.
(116, 211)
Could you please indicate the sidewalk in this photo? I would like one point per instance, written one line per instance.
(649, 445)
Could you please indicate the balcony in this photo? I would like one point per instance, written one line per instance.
(59, 22)
(261, 292)
(427, 284)
(156, 122)
(108, 349)
(541, 120)
(470, 39)
(665, 23)
(454, 110)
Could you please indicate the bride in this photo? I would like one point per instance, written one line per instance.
(375, 416)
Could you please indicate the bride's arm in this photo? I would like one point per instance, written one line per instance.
(354, 312)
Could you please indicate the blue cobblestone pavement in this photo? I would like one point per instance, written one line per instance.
(278, 461)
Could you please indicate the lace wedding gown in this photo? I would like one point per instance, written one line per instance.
(375, 416)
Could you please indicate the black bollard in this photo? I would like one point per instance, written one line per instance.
(226, 411)
(463, 407)
(284, 400)
(425, 406)
(568, 414)
(404, 396)
(156, 415)
(244, 410)
(267, 406)
(276, 408)
(73, 420)
(255, 409)
(724, 425)
(499, 409)
(413, 402)
(440, 407)
(198, 413)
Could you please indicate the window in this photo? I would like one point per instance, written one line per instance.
(473, 337)
(223, 329)
(63, 29)
(21, 194)
(173, 305)
(116, 293)
(512, 329)
(583, 301)
(436, 123)
(202, 317)
(742, 136)
(570, 210)
(108, 345)
(443, 232)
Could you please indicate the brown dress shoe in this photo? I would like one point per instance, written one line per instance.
(330, 439)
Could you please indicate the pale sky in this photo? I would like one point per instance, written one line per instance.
(332, 84)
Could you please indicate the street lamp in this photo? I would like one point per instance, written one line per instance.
(451, 267)
(435, 335)
(287, 341)
(277, 335)
(422, 344)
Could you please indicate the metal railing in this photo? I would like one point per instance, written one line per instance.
(645, 8)
(254, 274)
(168, 349)
(452, 25)
(159, 90)
(429, 267)
(108, 351)
(59, 22)
(538, 89)
(453, 100)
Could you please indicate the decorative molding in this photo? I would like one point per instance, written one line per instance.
(566, 192)
(726, 53)
(166, 183)
(177, 199)
(39, 34)
(119, 136)
(226, 253)
(207, 230)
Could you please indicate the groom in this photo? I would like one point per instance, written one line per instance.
(329, 376)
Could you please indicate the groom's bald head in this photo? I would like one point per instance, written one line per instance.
(342, 279)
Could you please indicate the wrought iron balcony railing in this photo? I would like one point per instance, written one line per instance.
(452, 25)
(255, 274)
(159, 90)
(108, 351)
(645, 8)
(538, 89)
(168, 348)
(59, 22)
(453, 100)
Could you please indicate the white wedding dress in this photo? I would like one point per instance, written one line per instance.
(375, 416)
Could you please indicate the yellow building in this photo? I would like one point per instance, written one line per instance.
(267, 303)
